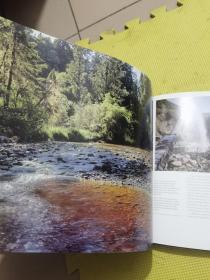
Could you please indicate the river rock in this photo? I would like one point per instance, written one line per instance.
(4, 167)
(4, 139)
(107, 167)
(19, 163)
(60, 159)
(2, 156)
(176, 163)
(5, 161)
(193, 162)
(185, 160)
(90, 155)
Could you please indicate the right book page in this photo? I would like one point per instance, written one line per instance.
(181, 170)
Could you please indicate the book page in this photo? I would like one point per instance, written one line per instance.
(75, 148)
(181, 176)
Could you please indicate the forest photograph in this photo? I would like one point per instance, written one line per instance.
(75, 147)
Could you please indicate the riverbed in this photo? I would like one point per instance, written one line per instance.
(74, 197)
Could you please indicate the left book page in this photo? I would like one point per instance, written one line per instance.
(75, 149)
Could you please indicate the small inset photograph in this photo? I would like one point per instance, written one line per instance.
(182, 136)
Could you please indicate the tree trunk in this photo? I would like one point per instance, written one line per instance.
(10, 78)
(4, 56)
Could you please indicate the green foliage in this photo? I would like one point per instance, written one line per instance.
(74, 80)
(75, 135)
(115, 121)
(52, 90)
(23, 124)
(106, 120)
(57, 133)
(87, 117)
(56, 104)
(55, 53)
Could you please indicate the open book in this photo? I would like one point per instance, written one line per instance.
(81, 137)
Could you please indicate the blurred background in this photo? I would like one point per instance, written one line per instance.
(73, 20)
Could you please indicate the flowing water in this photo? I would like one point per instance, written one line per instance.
(48, 205)
(191, 127)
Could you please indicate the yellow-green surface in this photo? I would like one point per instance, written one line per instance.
(173, 49)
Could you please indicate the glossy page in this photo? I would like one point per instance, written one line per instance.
(75, 148)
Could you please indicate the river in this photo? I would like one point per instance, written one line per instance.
(74, 197)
